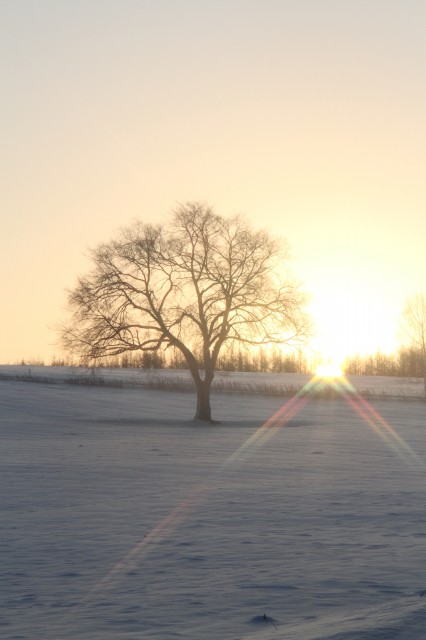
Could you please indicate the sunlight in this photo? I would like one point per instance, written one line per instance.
(329, 370)
(350, 318)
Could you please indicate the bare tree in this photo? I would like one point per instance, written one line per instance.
(195, 284)
(414, 324)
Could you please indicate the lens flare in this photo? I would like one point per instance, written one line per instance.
(328, 379)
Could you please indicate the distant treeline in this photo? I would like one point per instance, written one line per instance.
(259, 360)
(407, 362)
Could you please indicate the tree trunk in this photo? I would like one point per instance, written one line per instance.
(203, 401)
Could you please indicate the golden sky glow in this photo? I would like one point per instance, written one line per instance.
(307, 116)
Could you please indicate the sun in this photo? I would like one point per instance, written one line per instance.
(329, 370)
(350, 318)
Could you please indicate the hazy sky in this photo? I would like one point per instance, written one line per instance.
(307, 115)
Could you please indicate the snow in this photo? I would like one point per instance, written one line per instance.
(121, 518)
(269, 383)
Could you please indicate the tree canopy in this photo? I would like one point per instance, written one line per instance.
(197, 283)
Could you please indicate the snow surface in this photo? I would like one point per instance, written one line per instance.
(122, 519)
(379, 386)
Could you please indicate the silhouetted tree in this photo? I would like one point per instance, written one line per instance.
(414, 324)
(196, 284)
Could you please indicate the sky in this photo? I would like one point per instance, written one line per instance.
(308, 116)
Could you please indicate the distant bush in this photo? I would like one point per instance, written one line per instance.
(31, 362)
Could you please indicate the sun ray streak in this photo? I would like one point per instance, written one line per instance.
(382, 428)
(163, 530)
(159, 533)
(198, 495)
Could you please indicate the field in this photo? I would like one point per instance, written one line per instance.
(123, 519)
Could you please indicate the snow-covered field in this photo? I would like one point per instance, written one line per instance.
(269, 383)
(123, 519)
(265, 383)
